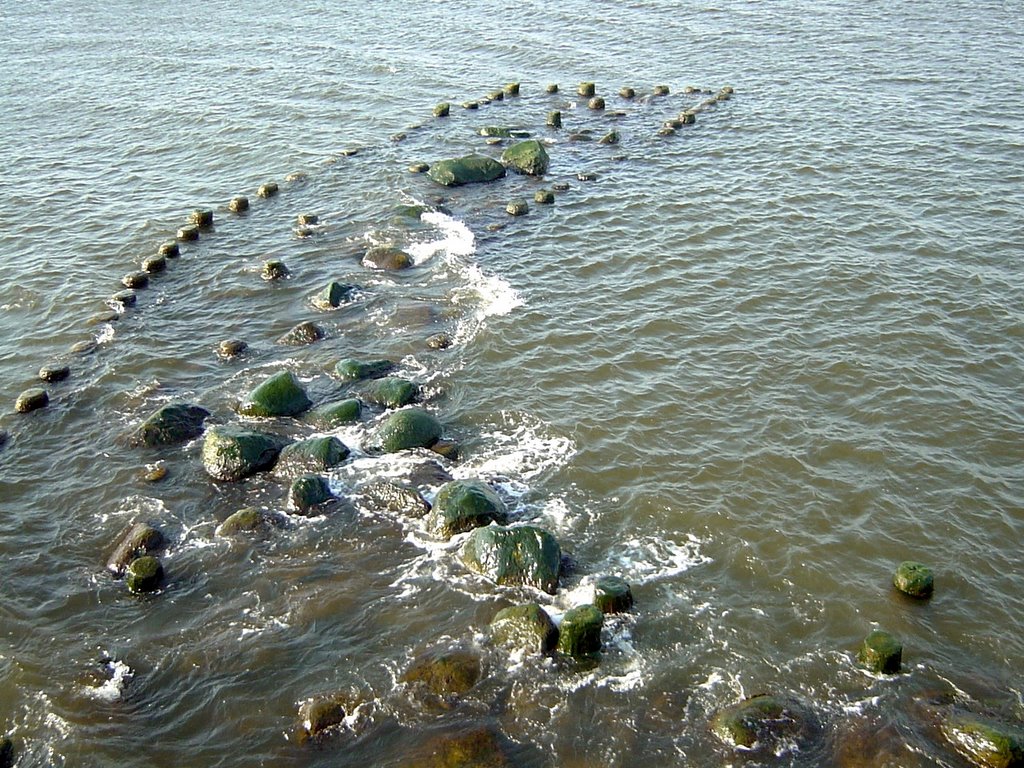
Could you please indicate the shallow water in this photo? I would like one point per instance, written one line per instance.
(750, 368)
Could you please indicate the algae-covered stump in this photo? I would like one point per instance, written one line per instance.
(476, 748)
(764, 723)
(517, 208)
(230, 348)
(274, 269)
(306, 332)
(396, 498)
(527, 157)
(443, 675)
(524, 627)
(279, 395)
(408, 428)
(580, 631)
(612, 595)
(54, 373)
(314, 454)
(144, 574)
(337, 413)
(232, 453)
(984, 742)
(387, 258)
(202, 218)
(914, 579)
(170, 250)
(463, 505)
(171, 424)
(881, 653)
(321, 713)
(31, 400)
(517, 555)
(249, 520)
(391, 392)
(154, 264)
(333, 295)
(136, 541)
(356, 370)
(308, 492)
(472, 169)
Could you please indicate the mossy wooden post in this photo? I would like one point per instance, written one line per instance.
(408, 428)
(984, 742)
(463, 505)
(881, 653)
(914, 579)
(170, 250)
(54, 373)
(612, 594)
(154, 264)
(279, 395)
(321, 713)
(202, 218)
(580, 631)
(31, 400)
(144, 574)
(274, 269)
(350, 369)
(524, 628)
(517, 208)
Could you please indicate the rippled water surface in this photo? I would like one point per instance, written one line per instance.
(749, 367)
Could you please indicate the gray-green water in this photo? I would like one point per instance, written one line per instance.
(750, 368)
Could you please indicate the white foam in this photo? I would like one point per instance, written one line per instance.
(519, 454)
(715, 678)
(862, 706)
(630, 679)
(51, 719)
(137, 505)
(259, 630)
(582, 594)
(193, 537)
(456, 238)
(645, 559)
(111, 690)
(487, 295)
(106, 334)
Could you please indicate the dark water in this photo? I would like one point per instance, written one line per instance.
(750, 368)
